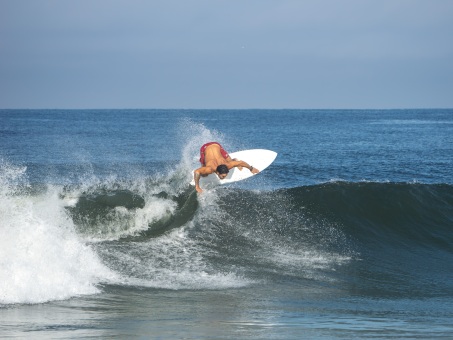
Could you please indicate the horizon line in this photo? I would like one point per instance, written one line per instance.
(235, 109)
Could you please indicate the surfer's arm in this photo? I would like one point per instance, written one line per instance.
(203, 171)
(239, 164)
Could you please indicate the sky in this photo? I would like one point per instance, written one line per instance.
(235, 54)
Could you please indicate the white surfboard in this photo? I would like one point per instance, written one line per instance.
(258, 158)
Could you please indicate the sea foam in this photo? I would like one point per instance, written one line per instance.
(41, 257)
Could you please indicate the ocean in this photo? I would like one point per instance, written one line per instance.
(348, 234)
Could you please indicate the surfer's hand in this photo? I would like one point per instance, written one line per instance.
(199, 190)
(254, 171)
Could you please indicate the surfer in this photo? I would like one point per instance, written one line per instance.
(214, 159)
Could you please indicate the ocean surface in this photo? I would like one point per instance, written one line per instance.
(348, 234)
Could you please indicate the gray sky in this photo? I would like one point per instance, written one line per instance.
(226, 54)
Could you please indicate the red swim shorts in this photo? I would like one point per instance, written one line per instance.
(203, 148)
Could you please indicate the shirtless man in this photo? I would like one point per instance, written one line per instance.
(215, 159)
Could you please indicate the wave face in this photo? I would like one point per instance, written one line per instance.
(375, 239)
(385, 214)
(401, 233)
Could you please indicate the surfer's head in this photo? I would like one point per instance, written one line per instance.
(222, 171)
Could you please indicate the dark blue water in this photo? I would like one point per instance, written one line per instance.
(349, 233)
